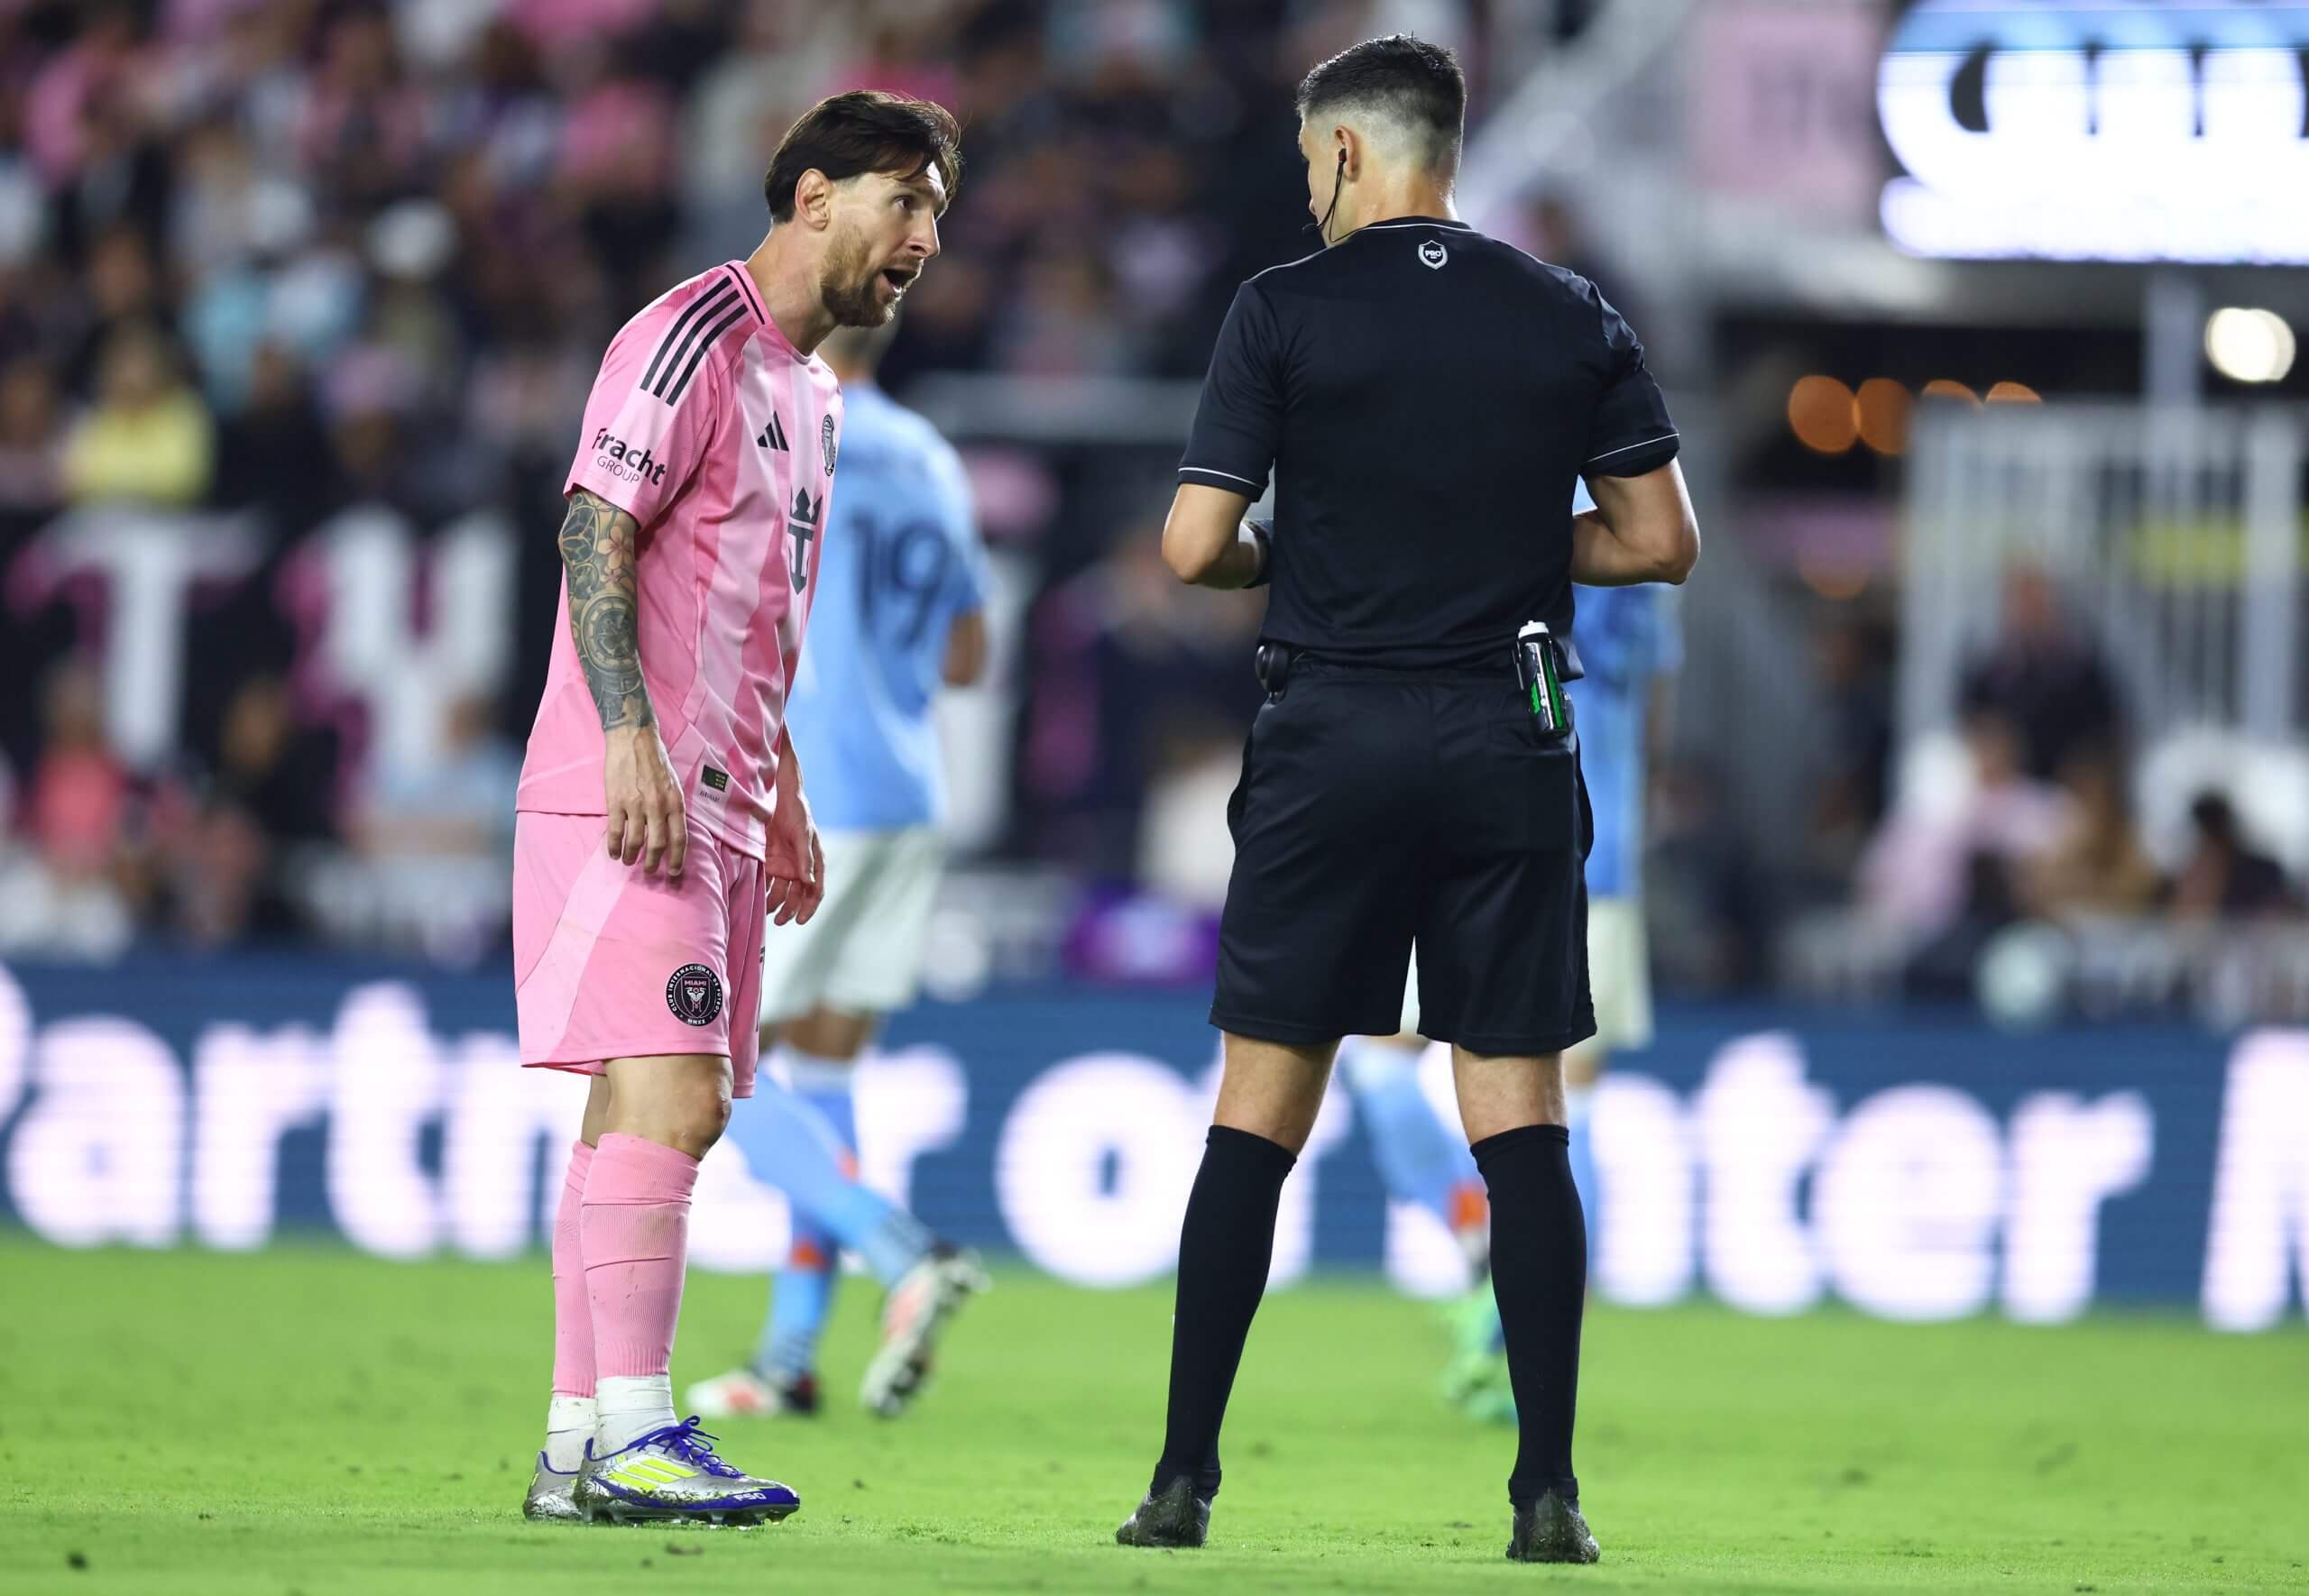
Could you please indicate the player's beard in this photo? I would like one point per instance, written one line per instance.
(849, 290)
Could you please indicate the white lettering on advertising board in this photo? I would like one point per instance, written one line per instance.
(1914, 1202)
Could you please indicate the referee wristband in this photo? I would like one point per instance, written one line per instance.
(1257, 533)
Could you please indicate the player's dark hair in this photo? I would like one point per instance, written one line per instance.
(865, 130)
(1417, 84)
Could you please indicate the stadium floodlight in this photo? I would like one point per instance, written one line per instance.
(2249, 346)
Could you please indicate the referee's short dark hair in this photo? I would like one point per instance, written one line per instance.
(1413, 83)
(865, 130)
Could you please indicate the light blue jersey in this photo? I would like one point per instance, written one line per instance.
(1627, 636)
(902, 560)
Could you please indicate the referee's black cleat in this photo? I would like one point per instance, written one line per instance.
(1550, 1530)
(1173, 1517)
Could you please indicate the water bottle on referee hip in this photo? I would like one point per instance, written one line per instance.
(1539, 673)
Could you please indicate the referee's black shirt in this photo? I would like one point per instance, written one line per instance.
(1426, 398)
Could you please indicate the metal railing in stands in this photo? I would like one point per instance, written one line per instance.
(2174, 539)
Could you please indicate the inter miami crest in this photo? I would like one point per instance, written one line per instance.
(694, 995)
(825, 440)
(1432, 254)
(800, 526)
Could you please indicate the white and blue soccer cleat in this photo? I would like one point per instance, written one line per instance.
(919, 1309)
(745, 1393)
(674, 1474)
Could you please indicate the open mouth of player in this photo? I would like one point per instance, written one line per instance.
(899, 278)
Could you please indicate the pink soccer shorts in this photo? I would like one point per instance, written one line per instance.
(612, 963)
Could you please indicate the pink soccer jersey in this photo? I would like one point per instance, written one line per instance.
(720, 438)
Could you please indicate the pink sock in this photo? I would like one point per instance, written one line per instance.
(635, 1226)
(573, 1315)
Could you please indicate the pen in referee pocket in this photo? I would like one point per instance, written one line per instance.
(1538, 674)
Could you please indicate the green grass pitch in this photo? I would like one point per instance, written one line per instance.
(310, 1421)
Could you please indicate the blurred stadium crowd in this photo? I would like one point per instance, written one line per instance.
(2031, 819)
(288, 258)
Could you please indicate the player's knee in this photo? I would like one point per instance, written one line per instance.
(1506, 1093)
(1286, 1130)
(695, 1110)
(705, 1113)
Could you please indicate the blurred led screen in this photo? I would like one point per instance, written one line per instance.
(2093, 131)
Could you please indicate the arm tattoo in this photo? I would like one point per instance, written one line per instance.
(598, 549)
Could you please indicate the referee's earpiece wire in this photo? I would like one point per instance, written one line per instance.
(1324, 226)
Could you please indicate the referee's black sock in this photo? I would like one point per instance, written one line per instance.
(1225, 1248)
(1539, 1272)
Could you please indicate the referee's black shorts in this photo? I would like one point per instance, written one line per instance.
(1382, 808)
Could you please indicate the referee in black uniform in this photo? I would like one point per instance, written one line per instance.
(1426, 398)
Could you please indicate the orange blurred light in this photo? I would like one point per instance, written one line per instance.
(2014, 393)
(1941, 387)
(1884, 416)
(1824, 414)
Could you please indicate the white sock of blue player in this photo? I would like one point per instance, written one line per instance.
(1420, 1159)
(801, 1298)
(791, 1145)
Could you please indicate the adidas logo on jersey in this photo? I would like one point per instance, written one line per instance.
(773, 436)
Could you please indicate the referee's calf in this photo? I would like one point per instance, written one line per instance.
(1426, 398)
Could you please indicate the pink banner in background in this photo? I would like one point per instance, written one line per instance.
(1783, 105)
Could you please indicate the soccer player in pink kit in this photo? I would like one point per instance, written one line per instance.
(661, 813)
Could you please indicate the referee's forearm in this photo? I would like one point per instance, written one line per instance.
(1237, 566)
(1600, 557)
(1204, 541)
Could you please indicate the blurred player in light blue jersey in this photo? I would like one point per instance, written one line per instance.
(900, 611)
(1627, 640)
